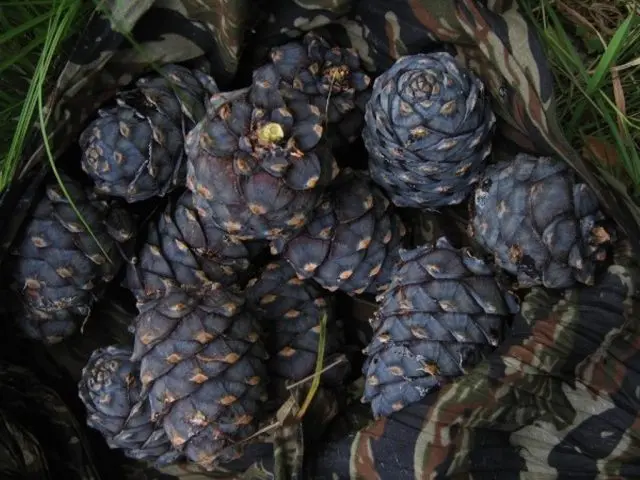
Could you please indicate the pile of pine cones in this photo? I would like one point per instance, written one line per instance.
(236, 275)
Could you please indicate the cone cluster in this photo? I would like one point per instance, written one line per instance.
(228, 218)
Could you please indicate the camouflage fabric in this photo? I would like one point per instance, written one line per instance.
(39, 435)
(558, 399)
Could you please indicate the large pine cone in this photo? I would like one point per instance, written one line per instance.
(540, 222)
(203, 364)
(441, 315)
(428, 131)
(58, 268)
(353, 240)
(258, 164)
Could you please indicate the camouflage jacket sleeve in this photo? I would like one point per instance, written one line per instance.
(559, 399)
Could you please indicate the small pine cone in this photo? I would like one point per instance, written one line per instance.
(110, 389)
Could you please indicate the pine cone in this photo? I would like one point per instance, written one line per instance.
(203, 364)
(442, 314)
(353, 240)
(110, 389)
(540, 222)
(135, 150)
(58, 268)
(291, 310)
(331, 78)
(428, 131)
(187, 251)
(258, 164)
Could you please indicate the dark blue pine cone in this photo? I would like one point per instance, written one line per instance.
(442, 313)
(428, 131)
(540, 222)
(58, 267)
(185, 250)
(111, 391)
(353, 240)
(135, 149)
(291, 310)
(257, 163)
(331, 78)
(203, 365)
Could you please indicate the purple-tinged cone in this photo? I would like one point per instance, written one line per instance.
(541, 223)
(291, 310)
(442, 313)
(203, 365)
(135, 149)
(186, 251)
(331, 78)
(111, 391)
(60, 265)
(353, 240)
(428, 131)
(258, 163)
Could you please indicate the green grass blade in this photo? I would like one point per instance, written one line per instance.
(25, 27)
(59, 25)
(48, 36)
(315, 383)
(604, 65)
(13, 60)
(609, 57)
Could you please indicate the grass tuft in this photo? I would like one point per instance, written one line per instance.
(33, 32)
(594, 52)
